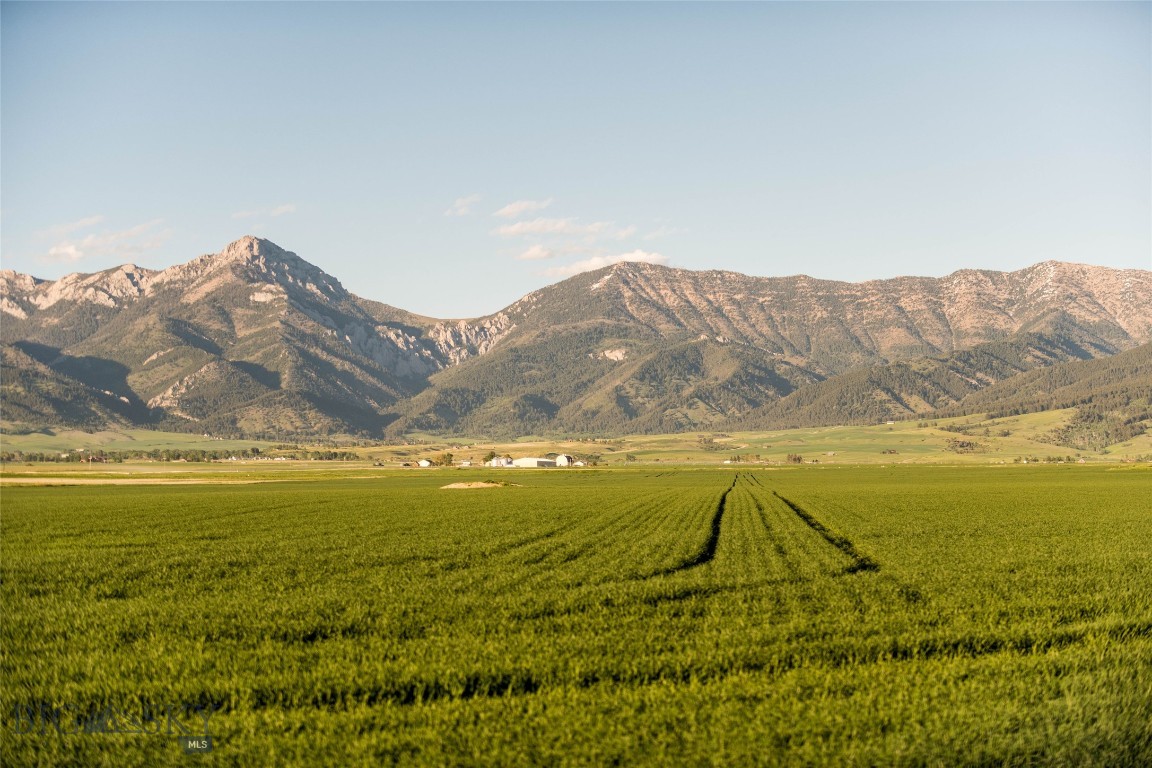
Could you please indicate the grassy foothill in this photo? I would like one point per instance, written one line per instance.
(963, 440)
(960, 440)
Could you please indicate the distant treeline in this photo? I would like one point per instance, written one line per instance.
(173, 454)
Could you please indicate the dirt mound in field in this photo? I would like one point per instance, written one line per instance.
(475, 485)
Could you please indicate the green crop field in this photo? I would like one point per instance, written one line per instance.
(816, 615)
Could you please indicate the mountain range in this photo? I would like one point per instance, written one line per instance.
(256, 341)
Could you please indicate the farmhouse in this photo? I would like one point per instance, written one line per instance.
(529, 461)
(564, 460)
(500, 461)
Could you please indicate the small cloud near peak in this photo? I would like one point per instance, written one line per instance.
(599, 262)
(126, 243)
(536, 253)
(64, 252)
(463, 206)
(520, 207)
(542, 226)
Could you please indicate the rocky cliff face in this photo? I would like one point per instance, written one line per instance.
(256, 340)
(834, 326)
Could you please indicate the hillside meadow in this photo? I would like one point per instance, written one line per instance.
(961, 440)
(794, 615)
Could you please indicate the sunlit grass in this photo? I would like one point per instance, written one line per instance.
(642, 616)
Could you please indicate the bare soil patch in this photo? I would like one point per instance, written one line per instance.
(47, 480)
(477, 484)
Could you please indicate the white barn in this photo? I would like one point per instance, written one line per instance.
(564, 460)
(529, 461)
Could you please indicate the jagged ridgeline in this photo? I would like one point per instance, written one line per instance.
(255, 341)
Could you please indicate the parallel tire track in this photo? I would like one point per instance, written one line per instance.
(706, 553)
(860, 562)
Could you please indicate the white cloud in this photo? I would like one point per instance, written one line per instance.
(88, 221)
(462, 206)
(125, 244)
(64, 252)
(278, 210)
(536, 253)
(63, 230)
(597, 262)
(512, 210)
(551, 227)
(569, 238)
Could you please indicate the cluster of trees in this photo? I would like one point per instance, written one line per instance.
(1091, 430)
(156, 454)
(325, 456)
(708, 442)
(963, 446)
(170, 454)
(53, 456)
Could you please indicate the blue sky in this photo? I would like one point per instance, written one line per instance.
(449, 158)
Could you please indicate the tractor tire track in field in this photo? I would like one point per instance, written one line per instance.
(706, 553)
(860, 563)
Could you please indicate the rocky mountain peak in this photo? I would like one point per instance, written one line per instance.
(248, 250)
(256, 261)
(251, 249)
(11, 280)
(268, 262)
(109, 288)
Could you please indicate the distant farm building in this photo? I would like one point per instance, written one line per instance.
(500, 461)
(564, 460)
(529, 461)
(424, 463)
